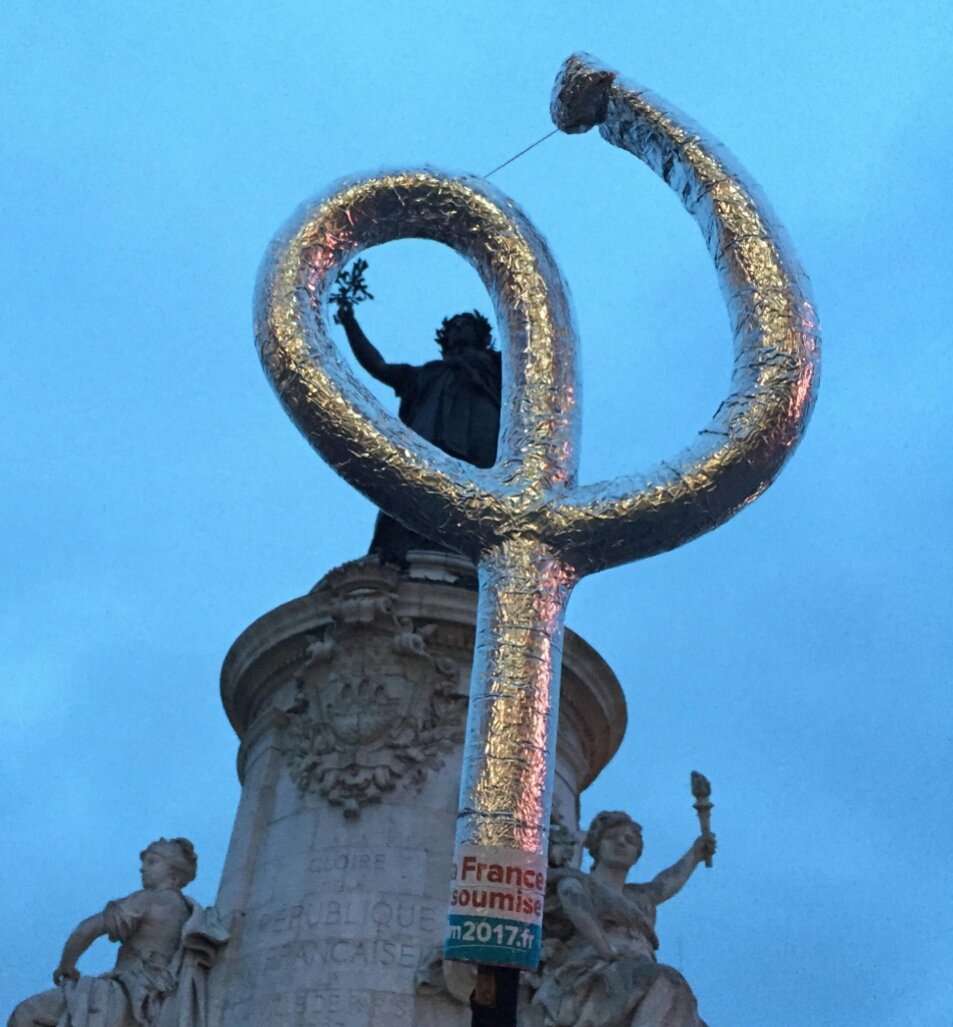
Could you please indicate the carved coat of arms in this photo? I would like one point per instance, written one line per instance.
(370, 717)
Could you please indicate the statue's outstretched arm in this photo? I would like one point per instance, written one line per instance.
(671, 880)
(84, 934)
(368, 356)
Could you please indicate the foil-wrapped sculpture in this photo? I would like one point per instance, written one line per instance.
(531, 528)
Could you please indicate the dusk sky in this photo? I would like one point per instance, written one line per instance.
(157, 500)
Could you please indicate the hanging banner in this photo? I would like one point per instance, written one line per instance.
(496, 906)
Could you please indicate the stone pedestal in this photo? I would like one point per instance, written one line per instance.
(350, 704)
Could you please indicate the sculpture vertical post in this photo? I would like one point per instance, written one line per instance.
(496, 914)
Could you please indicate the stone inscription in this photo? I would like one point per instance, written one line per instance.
(381, 915)
(348, 868)
(340, 952)
(352, 860)
(322, 1007)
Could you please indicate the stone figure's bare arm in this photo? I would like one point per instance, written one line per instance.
(84, 934)
(671, 880)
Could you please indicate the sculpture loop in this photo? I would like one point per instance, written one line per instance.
(440, 497)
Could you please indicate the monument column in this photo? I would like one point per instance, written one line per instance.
(350, 703)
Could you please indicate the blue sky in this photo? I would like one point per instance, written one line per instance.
(157, 500)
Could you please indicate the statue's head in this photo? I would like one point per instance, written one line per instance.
(464, 330)
(614, 838)
(168, 863)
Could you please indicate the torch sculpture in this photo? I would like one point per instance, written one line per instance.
(530, 527)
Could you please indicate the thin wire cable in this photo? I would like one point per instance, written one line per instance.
(520, 154)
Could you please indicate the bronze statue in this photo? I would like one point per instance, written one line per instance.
(453, 402)
(599, 966)
(168, 942)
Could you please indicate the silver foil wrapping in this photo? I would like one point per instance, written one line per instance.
(533, 531)
(468, 508)
(772, 320)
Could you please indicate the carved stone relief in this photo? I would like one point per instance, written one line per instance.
(375, 712)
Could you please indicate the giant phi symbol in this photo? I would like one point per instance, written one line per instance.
(532, 530)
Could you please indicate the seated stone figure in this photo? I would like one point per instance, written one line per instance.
(168, 943)
(599, 967)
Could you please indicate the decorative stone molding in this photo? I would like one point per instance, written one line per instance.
(387, 712)
(361, 591)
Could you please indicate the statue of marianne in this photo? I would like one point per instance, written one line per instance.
(453, 402)
(168, 942)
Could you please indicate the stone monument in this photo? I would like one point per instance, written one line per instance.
(408, 741)
(351, 705)
(599, 963)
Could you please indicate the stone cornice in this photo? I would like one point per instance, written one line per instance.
(362, 596)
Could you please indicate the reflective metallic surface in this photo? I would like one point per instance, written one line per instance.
(532, 529)
(514, 697)
(445, 499)
(506, 782)
(773, 324)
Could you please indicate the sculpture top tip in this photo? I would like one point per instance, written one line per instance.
(581, 94)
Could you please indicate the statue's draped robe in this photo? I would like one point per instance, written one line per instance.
(141, 991)
(455, 404)
(576, 987)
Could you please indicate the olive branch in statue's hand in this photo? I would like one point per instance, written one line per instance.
(352, 289)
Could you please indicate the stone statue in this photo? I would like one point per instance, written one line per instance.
(599, 967)
(453, 402)
(168, 943)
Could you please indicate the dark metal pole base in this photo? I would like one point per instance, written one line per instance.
(493, 1002)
